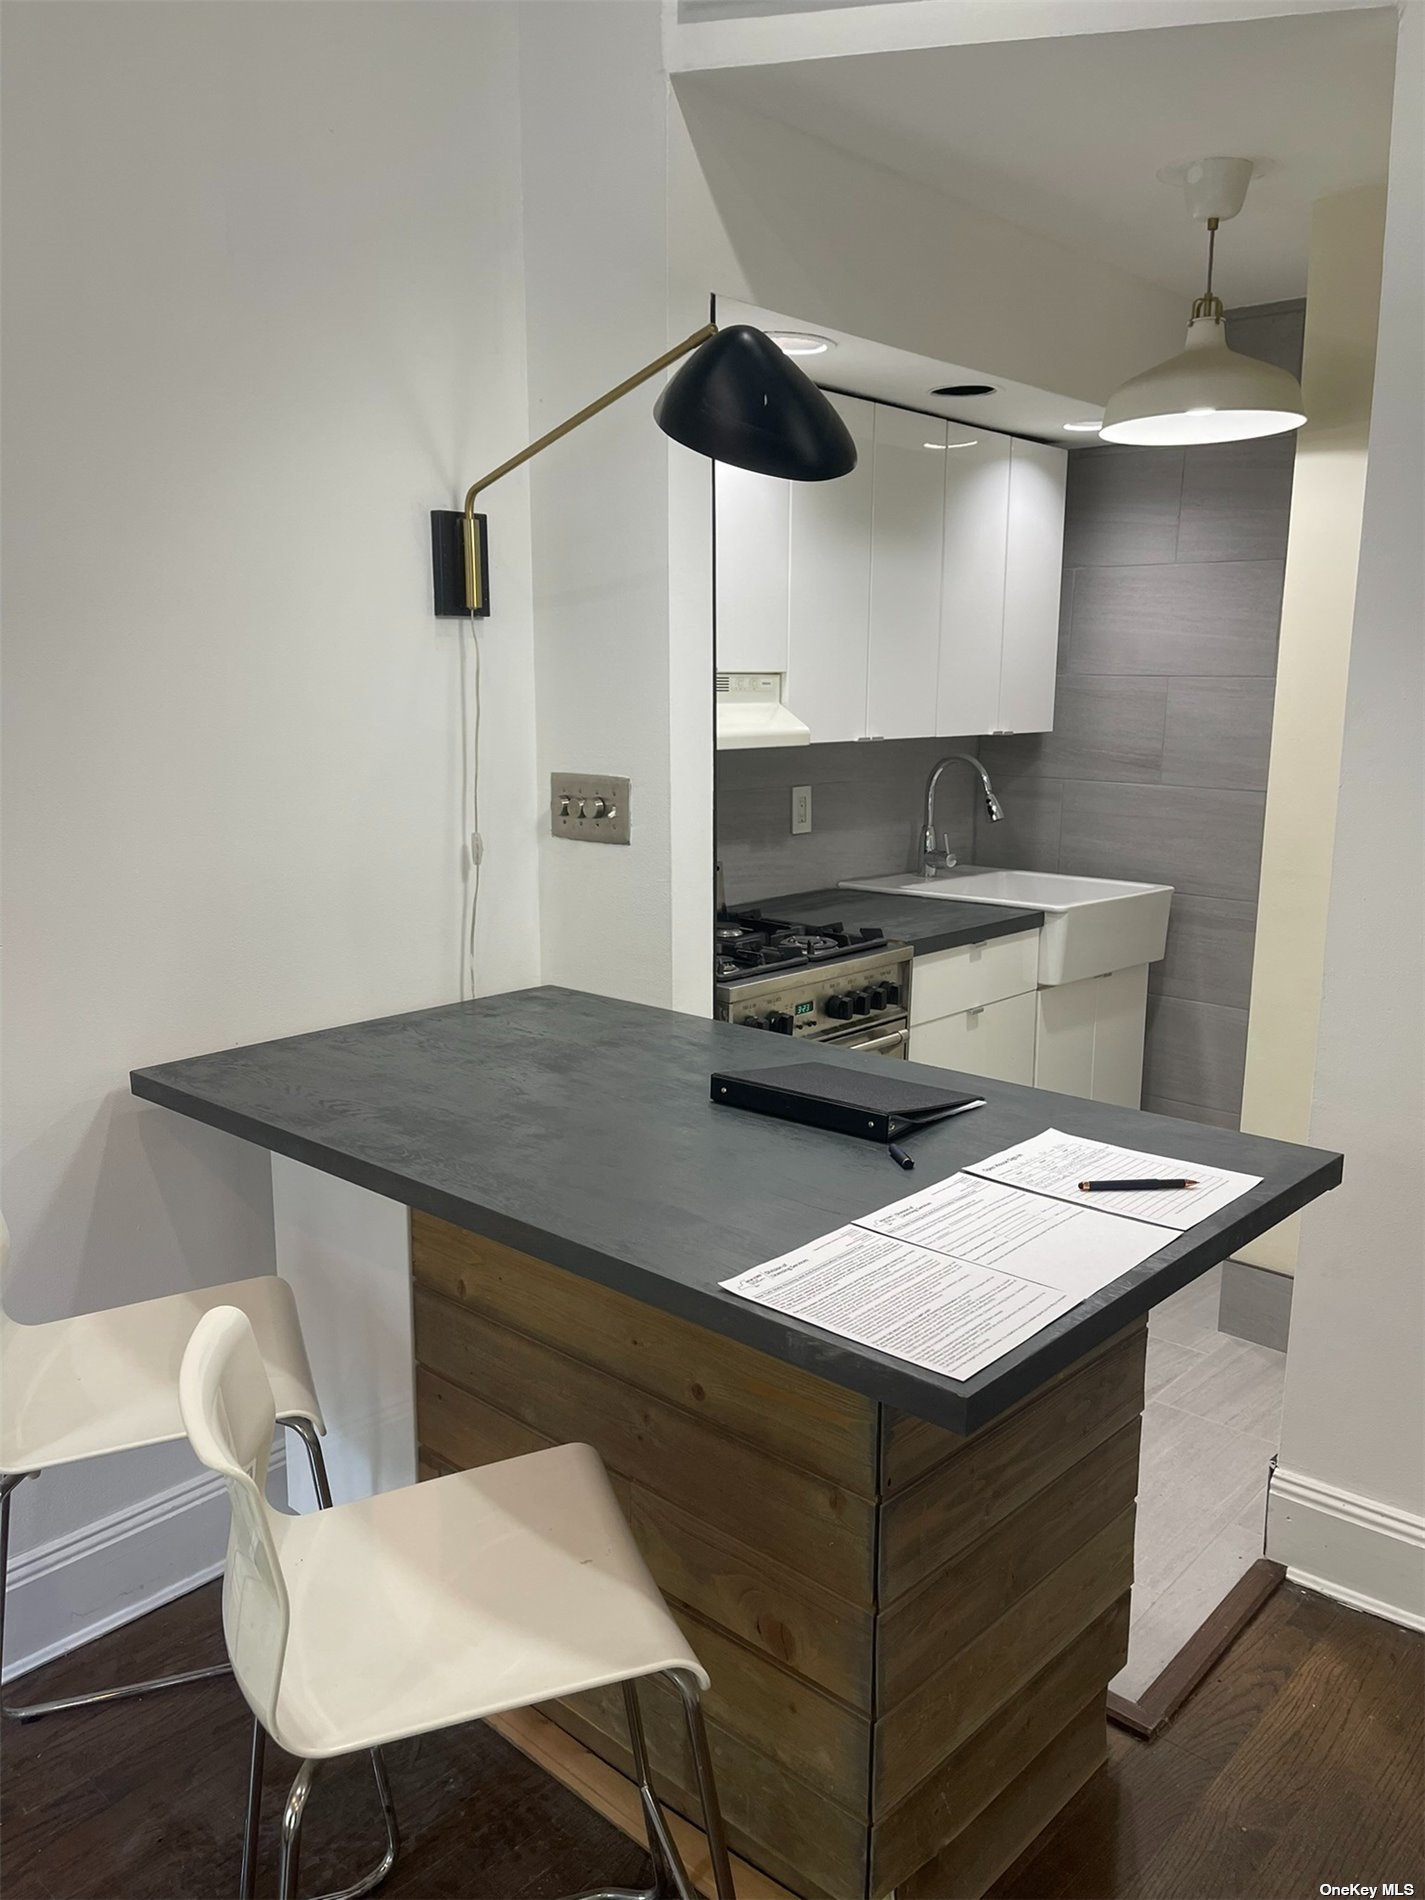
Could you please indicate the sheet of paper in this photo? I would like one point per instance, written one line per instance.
(1074, 1250)
(905, 1300)
(1054, 1163)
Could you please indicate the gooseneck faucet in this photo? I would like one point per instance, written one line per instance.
(928, 866)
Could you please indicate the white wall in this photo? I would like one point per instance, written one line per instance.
(1308, 714)
(593, 106)
(1348, 1507)
(799, 226)
(262, 311)
(774, 30)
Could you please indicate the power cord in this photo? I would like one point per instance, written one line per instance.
(472, 849)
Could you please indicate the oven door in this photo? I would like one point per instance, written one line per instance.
(881, 1039)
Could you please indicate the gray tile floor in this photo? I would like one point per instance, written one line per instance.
(1210, 1427)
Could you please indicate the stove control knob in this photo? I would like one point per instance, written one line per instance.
(879, 998)
(860, 1002)
(779, 1023)
(893, 993)
(839, 1007)
(753, 1022)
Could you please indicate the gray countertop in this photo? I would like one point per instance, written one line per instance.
(580, 1129)
(925, 923)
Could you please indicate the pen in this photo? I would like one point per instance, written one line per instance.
(899, 1155)
(1130, 1187)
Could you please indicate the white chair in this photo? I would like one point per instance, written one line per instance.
(106, 1382)
(423, 1608)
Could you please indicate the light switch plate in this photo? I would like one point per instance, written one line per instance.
(589, 807)
(801, 810)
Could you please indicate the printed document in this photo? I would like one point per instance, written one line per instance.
(904, 1300)
(954, 1277)
(1074, 1250)
(1055, 1163)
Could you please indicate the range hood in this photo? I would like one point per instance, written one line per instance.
(750, 713)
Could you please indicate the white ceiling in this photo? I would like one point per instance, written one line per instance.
(857, 366)
(1066, 136)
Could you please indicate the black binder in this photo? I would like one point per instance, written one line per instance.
(848, 1101)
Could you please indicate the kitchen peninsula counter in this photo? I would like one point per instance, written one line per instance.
(910, 1592)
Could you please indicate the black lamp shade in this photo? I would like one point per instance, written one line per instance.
(739, 399)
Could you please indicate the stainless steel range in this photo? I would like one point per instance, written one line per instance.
(816, 981)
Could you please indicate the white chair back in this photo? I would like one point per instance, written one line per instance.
(229, 1415)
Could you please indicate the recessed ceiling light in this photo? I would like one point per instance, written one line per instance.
(965, 389)
(1086, 428)
(801, 342)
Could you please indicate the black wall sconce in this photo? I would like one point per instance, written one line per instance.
(737, 399)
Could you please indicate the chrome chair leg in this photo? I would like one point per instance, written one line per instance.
(293, 1809)
(707, 1787)
(292, 1816)
(292, 1819)
(670, 1876)
(247, 1887)
(32, 1711)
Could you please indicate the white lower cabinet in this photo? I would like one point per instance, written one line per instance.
(1089, 1037)
(945, 982)
(976, 1008)
(995, 1040)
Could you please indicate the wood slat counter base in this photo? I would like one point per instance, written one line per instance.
(910, 1634)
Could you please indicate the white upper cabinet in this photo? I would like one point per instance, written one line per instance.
(751, 523)
(829, 605)
(1004, 551)
(917, 595)
(1034, 560)
(972, 581)
(907, 529)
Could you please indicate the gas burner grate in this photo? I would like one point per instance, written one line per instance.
(747, 941)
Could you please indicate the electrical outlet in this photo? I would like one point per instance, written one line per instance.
(801, 809)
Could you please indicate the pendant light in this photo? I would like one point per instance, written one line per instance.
(1208, 392)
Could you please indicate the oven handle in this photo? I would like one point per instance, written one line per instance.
(892, 1041)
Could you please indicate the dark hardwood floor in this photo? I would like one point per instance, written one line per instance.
(1298, 1761)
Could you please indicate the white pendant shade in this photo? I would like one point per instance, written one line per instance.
(1207, 393)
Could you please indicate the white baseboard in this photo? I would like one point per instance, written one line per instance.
(66, 1592)
(1353, 1548)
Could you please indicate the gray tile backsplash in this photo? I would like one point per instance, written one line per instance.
(1218, 732)
(1125, 509)
(1236, 499)
(1195, 1052)
(865, 809)
(1209, 955)
(1196, 839)
(1156, 767)
(1194, 618)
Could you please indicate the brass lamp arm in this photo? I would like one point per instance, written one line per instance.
(473, 561)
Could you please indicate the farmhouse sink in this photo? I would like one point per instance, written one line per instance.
(1092, 925)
